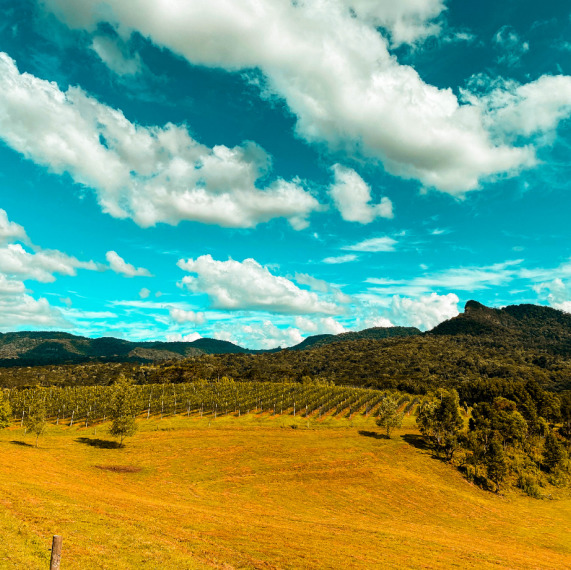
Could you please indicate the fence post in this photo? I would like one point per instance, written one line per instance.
(56, 552)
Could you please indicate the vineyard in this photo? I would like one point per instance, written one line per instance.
(91, 404)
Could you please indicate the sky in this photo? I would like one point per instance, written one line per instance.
(263, 170)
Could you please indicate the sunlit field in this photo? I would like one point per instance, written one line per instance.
(261, 491)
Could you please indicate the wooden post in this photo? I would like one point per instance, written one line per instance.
(56, 552)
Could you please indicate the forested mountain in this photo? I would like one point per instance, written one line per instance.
(513, 344)
(43, 348)
(531, 326)
(372, 333)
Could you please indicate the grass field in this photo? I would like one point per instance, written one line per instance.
(252, 492)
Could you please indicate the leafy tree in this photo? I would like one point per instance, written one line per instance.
(566, 413)
(5, 411)
(553, 452)
(496, 463)
(35, 420)
(122, 412)
(440, 421)
(388, 416)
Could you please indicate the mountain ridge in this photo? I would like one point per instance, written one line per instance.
(534, 326)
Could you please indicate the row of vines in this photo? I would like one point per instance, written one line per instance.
(91, 404)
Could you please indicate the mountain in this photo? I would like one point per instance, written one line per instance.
(531, 326)
(43, 348)
(374, 333)
(37, 348)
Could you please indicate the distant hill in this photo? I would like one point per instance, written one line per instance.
(519, 341)
(45, 348)
(42, 348)
(374, 333)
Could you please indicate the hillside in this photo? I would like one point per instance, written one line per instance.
(44, 348)
(375, 333)
(529, 325)
(56, 348)
(224, 493)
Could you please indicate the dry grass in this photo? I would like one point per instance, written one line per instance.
(252, 493)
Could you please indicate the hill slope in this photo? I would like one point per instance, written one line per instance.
(186, 494)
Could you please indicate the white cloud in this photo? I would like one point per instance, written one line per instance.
(424, 312)
(181, 316)
(340, 259)
(41, 265)
(378, 322)
(335, 73)
(10, 231)
(249, 285)
(352, 197)
(312, 282)
(149, 174)
(535, 108)
(373, 245)
(115, 54)
(557, 293)
(144, 293)
(21, 310)
(407, 21)
(178, 337)
(268, 335)
(119, 265)
(325, 325)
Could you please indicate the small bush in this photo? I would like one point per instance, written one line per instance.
(528, 484)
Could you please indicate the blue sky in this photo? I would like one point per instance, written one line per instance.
(260, 171)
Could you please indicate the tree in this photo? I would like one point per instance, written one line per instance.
(5, 411)
(566, 413)
(388, 416)
(553, 452)
(496, 463)
(440, 421)
(35, 420)
(122, 413)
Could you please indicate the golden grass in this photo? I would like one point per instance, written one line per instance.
(251, 492)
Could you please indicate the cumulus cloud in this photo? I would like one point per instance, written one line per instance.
(333, 67)
(179, 337)
(23, 310)
(557, 293)
(407, 21)
(248, 285)
(41, 265)
(150, 174)
(352, 197)
(373, 245)
(324, 325)
(119, 265)
(181, 316)
(10, 231)
(512, 110)
(424, 312)
(144, 293)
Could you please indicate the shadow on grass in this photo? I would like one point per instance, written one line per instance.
(100, 443)
(373, 434)
(22, 443)
(415, 440)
